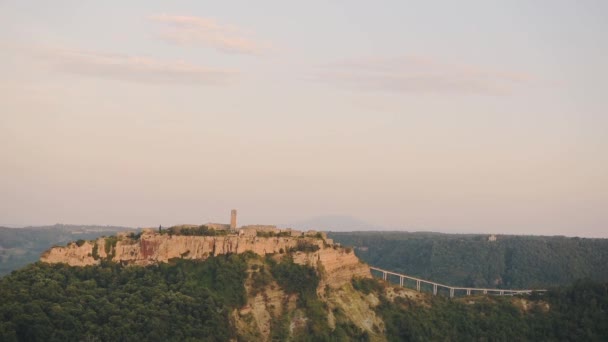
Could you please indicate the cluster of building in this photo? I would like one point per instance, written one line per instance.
(253, 230)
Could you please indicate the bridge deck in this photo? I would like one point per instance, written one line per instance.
(452, 289)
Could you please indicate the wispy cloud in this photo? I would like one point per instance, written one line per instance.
(419, 74)
(193, 31)
(132, 68)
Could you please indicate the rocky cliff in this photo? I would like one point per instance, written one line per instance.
(336, 267)
(340, 265)
(151, 248)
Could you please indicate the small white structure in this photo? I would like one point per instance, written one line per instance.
(492, 238)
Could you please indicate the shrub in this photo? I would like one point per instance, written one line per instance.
(95, 252)
(260, 280)
(135, 236)
(304, 246)
(367, 285)
(196, 231)
(303, 281)
(294, 278)
(272, 234)
(110, 247)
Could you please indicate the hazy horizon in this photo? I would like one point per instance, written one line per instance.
(333, 223)
(475, 116)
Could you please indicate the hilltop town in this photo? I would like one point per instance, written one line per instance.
(199, 242)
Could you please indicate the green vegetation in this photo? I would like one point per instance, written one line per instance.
(110, 246)
(472, 260)
(181, 301)
(576, 313)
(21, 246)
(304, 246)
(346, 330)
(135, 236)
(261, 278)
(272, 234)
(303, 281)
(194, 231)
(95, 251)
(294, 278)
(184, 300)
(187, 300)
(367, 285)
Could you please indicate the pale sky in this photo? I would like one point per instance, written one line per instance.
(453, 116)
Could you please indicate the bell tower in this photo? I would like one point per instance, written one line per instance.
(233, 219)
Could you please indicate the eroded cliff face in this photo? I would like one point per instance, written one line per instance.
(269, 306)
(338, 265)
(336, 268)
(152, 248)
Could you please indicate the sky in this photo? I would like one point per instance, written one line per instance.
(451, 116)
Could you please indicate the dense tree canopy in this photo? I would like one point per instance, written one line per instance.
(187, 300)
(22, 246)
(575, 313)
(168, 302)
(472, 260)
(183, 300)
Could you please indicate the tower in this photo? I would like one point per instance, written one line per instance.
(233, 219)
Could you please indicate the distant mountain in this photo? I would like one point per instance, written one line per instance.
(21, 246)
(334, 223)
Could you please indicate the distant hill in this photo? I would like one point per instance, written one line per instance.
(471, 260)
(21, 246)
(334, 223)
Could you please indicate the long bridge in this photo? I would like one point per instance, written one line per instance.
(436, 286)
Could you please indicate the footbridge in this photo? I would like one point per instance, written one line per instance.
(437, 287)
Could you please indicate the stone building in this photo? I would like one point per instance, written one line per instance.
(233, 219)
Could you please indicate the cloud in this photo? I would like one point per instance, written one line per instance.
(133, 68)
(194, 31)
(412, 74)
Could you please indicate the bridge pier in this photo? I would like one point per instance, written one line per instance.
(452, 290)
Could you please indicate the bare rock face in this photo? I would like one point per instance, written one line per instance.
(337, 265)
(72, 254)
(152, 248)
(358, 309)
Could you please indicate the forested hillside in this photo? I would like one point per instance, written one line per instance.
(472, 260)
(113, 303)
(198, 301)
(574, 313)
(178, 301)
(21, 246)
